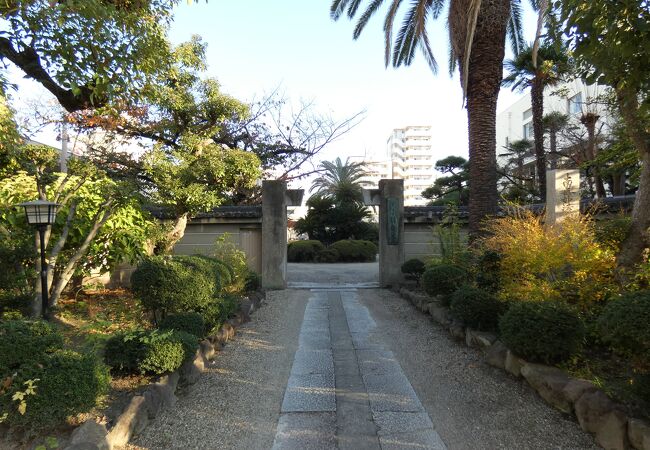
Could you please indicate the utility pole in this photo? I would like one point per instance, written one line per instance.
(63, 161)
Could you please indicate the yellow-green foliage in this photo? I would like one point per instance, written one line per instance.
(563, 261)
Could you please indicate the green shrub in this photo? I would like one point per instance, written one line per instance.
(66, 383)
(624, 324)
(547, 332)
(612, 232)
(413, 269)
(210, 268)
(253, 281)
(355, 251)
(155, 351)
(218, 311)
(189, 322)
(303, 251)
(443, 280)
(165, 285)
(487, 267)
(23, 341)
(328, 255)
(231, 256)
(476, 308)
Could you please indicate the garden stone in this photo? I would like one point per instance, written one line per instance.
(132, 421)
(638, 433)
(513, 364)
(246, 308)
(598, 414)
(457, 330)
(192, 369)
(574, 389)
(89, 435)
(549, 383)
(159, 396)
(208, 350)
(484, 339)
(440, 314)
(469, 337)
(496, 355)
(228, 330)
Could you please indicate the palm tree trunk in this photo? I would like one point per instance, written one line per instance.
(537, 103)
(589, 121)
(485, 72)
(552, 142)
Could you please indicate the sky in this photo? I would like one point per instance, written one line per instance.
(254, 46)
(257, 46)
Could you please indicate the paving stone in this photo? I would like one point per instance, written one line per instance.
(365, 341)
(302, 431)
(308, 362)
(424, 439)
(312, 341)
(391, 392)
(391, 422)
(306, 393)
(377, 362)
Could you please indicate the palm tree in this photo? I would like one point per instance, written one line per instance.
(525, 73)
(554, 122)
(477, 33)
(340, 181)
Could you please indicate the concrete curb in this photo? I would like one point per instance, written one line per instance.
(596, 413)
(160, 395)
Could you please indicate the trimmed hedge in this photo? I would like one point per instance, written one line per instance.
(168, 285)
(355, 250)
(547, 332)
(303, 251)
(624, 324)
(66, 383)
(328, 255)
(218, 311)
(476, 308)
(23, 341)
(413, 269)
(189, 322)
(149, 351)
(443, 279)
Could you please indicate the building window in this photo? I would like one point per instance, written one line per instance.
(528, 114)
(528, 130)
(575, 104)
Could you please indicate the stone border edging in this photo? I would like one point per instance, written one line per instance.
(145, 406)
(594, 410)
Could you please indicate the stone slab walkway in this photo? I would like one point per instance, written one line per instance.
(345, 390)
(377, 374)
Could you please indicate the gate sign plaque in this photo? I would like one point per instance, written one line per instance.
(392, 223)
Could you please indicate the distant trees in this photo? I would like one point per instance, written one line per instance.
(526, 72)
(453, 187)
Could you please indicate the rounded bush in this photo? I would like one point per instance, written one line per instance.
(189, 322)
(219, 272)
(443, 279)
(66, 383)
(476, 308)
(144, 351)
(328, 255)
(413, 269)
(355, 251)
(166, 285)
(547, 332)
(488, 270)
(624, 324)
(23, 341)
(303, 251)
(252, 282)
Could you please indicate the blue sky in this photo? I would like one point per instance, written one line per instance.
(255, 46)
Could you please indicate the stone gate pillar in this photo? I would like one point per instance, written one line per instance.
(391, 231)
(562, 194)
(275, 199)
(274, 234)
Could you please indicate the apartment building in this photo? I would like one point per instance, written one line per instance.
(574, 99)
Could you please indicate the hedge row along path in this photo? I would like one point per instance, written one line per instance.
(355, 369)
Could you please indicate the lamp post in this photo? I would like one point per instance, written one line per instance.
(41, 213)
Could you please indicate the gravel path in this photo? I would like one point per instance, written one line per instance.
(473, 405)
(236, 403)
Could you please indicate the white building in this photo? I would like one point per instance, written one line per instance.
(574, 99)
(409, 156)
